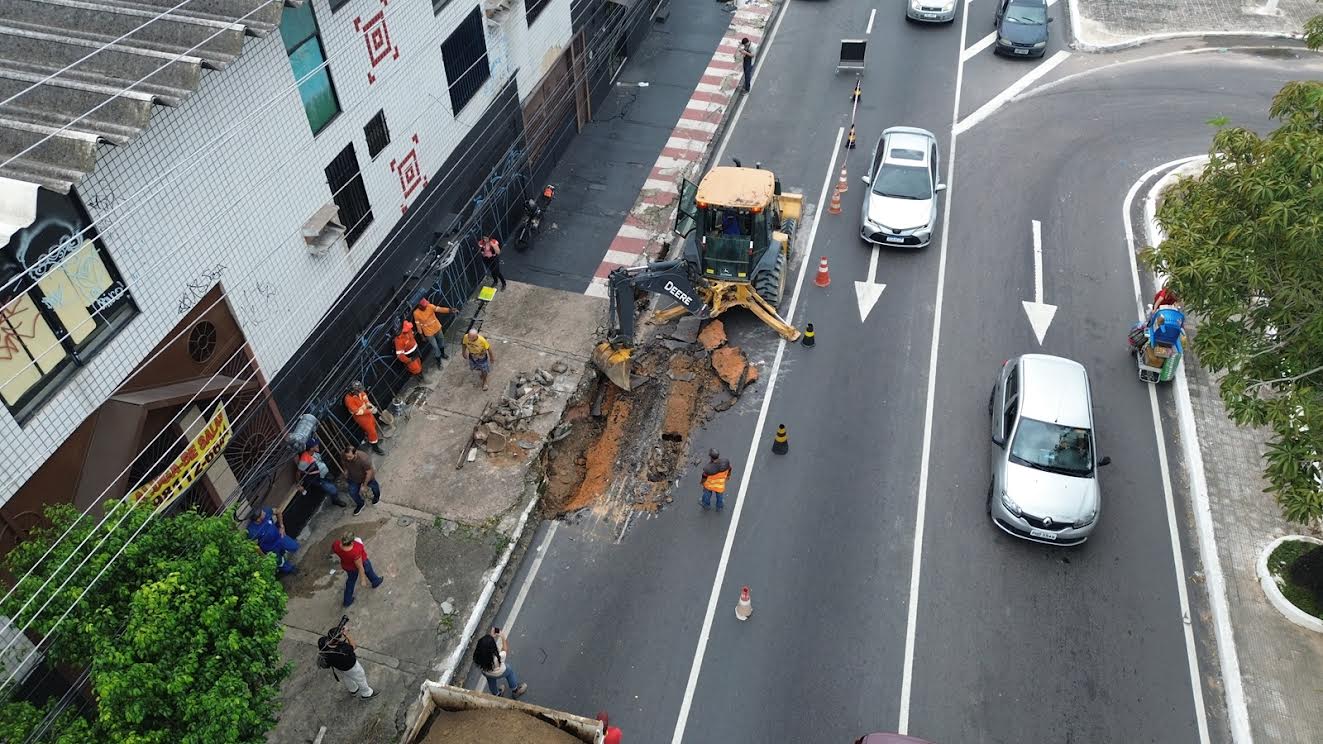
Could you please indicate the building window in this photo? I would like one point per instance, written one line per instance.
(438, 6)
(349, 193)
(533, 9)
(61, 300)
(303, 44)
(377, 133)
(465, 56)
(335, 4)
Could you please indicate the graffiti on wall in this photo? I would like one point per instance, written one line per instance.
(376, 35)
(198, 286)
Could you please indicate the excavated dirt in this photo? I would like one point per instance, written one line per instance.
(629, 456)
(494, 726)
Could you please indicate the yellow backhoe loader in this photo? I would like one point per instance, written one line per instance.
(737, 227)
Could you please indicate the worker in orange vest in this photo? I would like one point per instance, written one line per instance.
(430, 326)
(364, 413)
(715, 474)
(406, 349)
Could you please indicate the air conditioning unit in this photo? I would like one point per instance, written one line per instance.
(496, 9)
(324, 230)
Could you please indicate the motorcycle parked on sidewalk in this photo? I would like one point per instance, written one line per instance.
(531, 223)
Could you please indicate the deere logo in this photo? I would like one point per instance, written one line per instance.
(678, 294)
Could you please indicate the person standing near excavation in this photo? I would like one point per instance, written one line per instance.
(479, 354)
(491, 255)
(364, 413)
(424, 318)
(715, 475)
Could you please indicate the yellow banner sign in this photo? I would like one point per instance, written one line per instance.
(191, 463)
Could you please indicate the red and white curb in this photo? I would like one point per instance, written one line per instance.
(649, 223)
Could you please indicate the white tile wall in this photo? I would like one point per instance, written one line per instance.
(228, 179)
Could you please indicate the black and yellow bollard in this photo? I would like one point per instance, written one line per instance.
(858, 93)
(849, 139)
(781, 444)
(808, 335)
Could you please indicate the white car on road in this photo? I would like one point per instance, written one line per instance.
(901, 205)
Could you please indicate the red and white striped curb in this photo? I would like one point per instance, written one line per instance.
(650, 222)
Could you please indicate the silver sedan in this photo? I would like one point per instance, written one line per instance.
(900, 207)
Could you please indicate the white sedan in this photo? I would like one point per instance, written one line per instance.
(901, 205)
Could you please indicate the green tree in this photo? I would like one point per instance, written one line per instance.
(181, 633)
(18, 720)
(1244, 251)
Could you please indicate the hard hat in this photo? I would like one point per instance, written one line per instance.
(422, 302)
(356, 385)
(406, 327)
(713, 454)
(312, 442)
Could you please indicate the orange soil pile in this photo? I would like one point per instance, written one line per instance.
(601, 455)
(683, 397)
(729, 363)
(493, 726)
(713, 335)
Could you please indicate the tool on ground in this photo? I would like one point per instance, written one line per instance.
(738, 228)
(744, 607)
(835, 207)
(841, 185)
(781, 443)
(823, 279)
(808, 335)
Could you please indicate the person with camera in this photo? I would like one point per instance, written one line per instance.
(335, 651)
(492, 657)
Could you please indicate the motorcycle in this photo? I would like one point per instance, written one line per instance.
(531, 223)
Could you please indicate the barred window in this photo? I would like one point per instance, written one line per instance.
(465, 57)
(349, 193)
(377, 134)
(533, 9)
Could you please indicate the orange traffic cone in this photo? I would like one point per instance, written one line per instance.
(824, 277)
(744, 608)
(835, 207)
(841, 185)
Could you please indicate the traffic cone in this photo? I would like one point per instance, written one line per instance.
(849, 139)
(824, 277)
(835, 207)
(743, 608)
(808, 335)
(781, 444)
(841, 185)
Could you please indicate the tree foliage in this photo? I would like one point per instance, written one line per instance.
(1244, 251)
(181, 632)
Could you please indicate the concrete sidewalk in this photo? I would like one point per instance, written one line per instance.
(440, 537)
(1108, 24)
(1274, 696)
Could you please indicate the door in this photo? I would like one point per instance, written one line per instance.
(686, 215)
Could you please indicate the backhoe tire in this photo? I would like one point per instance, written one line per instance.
(769, 283)
(788, 226)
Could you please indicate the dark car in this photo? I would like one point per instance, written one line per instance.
(1021, 28)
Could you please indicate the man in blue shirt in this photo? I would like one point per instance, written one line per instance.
(267, 527)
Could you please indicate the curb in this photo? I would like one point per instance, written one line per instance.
(1234, 692)
(1275, 596)
(649, 222)
(1078, 41)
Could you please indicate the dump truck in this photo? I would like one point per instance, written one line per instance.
(441, 706)
(738, 228)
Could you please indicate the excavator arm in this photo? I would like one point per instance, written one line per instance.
(667, 278)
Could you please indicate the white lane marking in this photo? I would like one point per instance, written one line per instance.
(754, 445)
(871, 15)
(921, 511)
(1040, 314)
(979, 46)
(1207, 546)
(518, 605)
(757, 70)
(868, 292)
(1003, 97)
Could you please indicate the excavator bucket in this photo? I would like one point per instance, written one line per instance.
(614, 363)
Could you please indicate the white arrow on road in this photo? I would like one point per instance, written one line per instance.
(869, 292)
(1040, 314)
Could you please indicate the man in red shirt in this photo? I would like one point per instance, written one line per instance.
(354, 560)
(612, 733)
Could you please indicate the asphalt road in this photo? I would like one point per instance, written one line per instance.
(1014, 642)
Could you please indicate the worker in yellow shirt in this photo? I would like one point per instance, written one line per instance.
(429, 326)
(479, 354)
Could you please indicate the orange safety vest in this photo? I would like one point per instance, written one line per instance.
(716, 482)
(405, 344)
(426, 319)
(358, 404)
